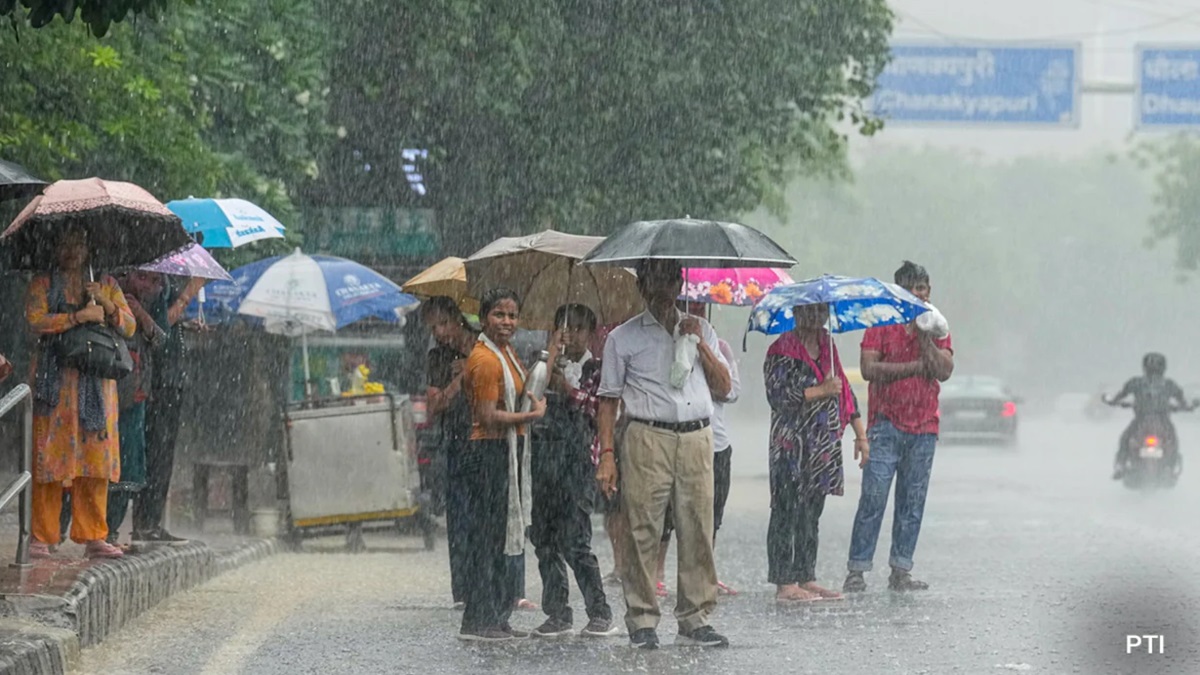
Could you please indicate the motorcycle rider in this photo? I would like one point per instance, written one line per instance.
(1153, 394)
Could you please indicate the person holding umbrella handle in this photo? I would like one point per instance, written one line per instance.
(667, 453)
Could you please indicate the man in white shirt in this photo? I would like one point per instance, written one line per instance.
(722, 457)
(667, 453)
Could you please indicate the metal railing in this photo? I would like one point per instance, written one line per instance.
(22, 484)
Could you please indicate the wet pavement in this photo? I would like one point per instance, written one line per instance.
(1038, 563)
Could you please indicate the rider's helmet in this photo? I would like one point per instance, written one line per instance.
(1154, 364)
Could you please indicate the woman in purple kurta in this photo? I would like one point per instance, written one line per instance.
(811, 405)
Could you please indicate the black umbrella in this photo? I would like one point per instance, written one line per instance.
(17, 183)
(694, 243)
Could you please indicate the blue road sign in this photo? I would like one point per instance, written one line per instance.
(980, 84)
(1168, 86)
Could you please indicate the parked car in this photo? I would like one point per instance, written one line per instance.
(975, 407)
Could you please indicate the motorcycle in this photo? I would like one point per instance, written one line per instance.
(1153, 460)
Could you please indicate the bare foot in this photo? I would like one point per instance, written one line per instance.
(821, 592)
(794, 593)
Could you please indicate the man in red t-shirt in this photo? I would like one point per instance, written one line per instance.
(904, 366)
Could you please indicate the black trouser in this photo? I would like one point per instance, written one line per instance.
(458, 524)
(722, 467)
(162, 430)
(562, 537)
(792, 534)
(483, 478)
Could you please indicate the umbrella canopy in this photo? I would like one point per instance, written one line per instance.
(300, 293)
(447, 277)
(545, 271)
(189, 261)
(740, 286)
(694, 243)
(226, 223)
(125, 225)
(17, 183)
(854, 304)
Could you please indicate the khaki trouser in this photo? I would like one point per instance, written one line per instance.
(658, 467)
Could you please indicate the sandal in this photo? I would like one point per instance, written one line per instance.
(794, 594)
(822, 593)
(98, 548)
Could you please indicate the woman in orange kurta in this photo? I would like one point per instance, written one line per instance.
(75, 416)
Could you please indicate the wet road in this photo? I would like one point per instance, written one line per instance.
(1037, 561)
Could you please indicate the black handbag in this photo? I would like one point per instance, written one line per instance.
(94, 349)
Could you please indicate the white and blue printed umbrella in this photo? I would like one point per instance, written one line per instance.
(225, 223)
(854, 304)
(298, 294)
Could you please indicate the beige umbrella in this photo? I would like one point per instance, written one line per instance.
(445, 277)
(545, 271)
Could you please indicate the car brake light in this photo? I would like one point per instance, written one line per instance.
(1010, 409)
(1151, 441)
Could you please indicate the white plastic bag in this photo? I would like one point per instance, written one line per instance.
(686, 352)
(934, 323)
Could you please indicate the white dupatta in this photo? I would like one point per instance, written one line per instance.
(520, 486)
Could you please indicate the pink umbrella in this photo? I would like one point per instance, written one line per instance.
(190, 261)
(740, 286)
(125, 225)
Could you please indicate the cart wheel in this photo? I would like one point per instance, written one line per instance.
(354, 539)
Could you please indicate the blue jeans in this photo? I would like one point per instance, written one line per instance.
(908, 457)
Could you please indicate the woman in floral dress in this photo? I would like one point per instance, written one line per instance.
(811, 405)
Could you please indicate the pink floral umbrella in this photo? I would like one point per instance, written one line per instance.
(739, 286)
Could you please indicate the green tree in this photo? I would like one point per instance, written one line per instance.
(1174, 163)
(227, 99)
(581, 117)
(97, 15)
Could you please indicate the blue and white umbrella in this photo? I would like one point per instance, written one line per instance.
(225, 223)
(298, 294)
(854, 304)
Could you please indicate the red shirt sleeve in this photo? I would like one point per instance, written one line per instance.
(873, 340)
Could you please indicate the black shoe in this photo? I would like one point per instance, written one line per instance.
(515, 633)
(902, 581)
(159, 536)
(600, 628)
(553, 628)
(855, 583)
(484, 635)
(703, 636)
(644, 638)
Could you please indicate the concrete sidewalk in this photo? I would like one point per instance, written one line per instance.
(50, 610)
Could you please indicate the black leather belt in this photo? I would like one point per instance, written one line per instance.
(677, 427)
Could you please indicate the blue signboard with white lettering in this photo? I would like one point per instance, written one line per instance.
(1168, 86)
(981, 84)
